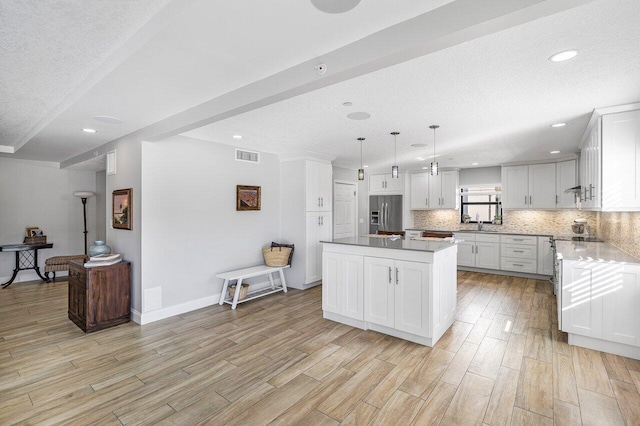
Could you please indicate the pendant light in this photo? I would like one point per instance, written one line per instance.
(434, 163)
(394, 168)
(361, 169)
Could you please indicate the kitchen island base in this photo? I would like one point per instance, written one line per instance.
(406, 289)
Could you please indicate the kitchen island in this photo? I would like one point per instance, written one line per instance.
(400, 287)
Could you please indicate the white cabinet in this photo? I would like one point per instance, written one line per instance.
(565, 178)
(306, 217)
(397, 294)
(519, 253)
(581, 311)
(343, 285)
(409, 234)
(435, 192)
(318, 229)
(545, 256)
(620, 301)
(590, 166)
(419, 191)
(529, 187)
(621, 161)
(318, 186)
(383, 184)
(479, 250)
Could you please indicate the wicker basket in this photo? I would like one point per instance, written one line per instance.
(276, 256)
(41, 239)
(243, 291)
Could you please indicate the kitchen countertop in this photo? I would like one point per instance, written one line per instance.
(483, 232)
(396, 244)
(593, 252)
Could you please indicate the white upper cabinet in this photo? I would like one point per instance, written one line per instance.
(621, 161)
(384, 184)
(435, 192)
(318, 186)
(419, 191)
(565, 179)
(538, 186)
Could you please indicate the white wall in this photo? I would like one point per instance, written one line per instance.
(480, 176)
(191, 230)
(340, 173)
(34, 193)
(101, 205)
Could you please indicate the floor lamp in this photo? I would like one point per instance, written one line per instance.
(83, 195)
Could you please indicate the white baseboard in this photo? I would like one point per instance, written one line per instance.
(136, 316)
(170, 311)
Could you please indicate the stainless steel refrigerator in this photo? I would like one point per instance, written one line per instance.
(385, 213)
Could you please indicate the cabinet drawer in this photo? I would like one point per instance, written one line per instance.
(519, 250)
(485, 238)
(519, 239)
(518, 265)
(466, 236)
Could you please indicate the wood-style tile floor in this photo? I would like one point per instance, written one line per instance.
(276, 361)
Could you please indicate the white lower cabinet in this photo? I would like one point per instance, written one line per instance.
(343, 285)
(318, 229)
(519, 253)
(397, 294)
(545, 256)
(600, 300)
(479, 250)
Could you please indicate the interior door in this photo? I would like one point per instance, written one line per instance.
(345, 210)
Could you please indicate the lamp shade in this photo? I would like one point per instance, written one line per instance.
(83, 194)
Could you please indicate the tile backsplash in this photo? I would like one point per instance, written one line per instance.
(621, 229)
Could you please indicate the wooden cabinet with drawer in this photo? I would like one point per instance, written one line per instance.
(99, 297)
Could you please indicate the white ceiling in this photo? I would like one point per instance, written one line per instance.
(494, 94)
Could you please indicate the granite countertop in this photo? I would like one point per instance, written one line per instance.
(593, 252)
(484, 232)
(392, 243)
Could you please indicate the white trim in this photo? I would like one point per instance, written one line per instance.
(111, 163)
(136, 316)
(601, 345)
(170, 311)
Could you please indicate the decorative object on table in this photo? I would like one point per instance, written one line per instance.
(84, 195)
(291, 246)
(244, 289)
(104, 259)
(35, 235)
(466, 218)
(122, 208)
(497, 219)
(99, 247)
(248, 197)
(276, 256)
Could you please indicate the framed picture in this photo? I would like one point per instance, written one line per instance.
(31, 231)
(247, 197)
(122, 209)
(37, 233)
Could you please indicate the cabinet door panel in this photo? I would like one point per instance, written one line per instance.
(466, 253)
(314, 248)
(515, 187)
(379, 287)
(435, 191)
(565, 179)
(488, 255)
(331, 282)
(325, 179)
(542, 186)
(545, 256)
(581, 299)
(395, 185)
(412, 297)
(450, 194)
(620, 158)
(352, 287)
(620, 285)
(420, 191)
(377, 183)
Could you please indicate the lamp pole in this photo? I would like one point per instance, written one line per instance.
(83, 195)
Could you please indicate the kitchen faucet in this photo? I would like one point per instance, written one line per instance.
(479, 225)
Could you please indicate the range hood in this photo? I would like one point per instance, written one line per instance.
(574, 190)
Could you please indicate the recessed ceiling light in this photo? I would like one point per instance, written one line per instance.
(107, 119)
(347, 103)
(365, 166)
(559, 125)
(237, 136)
(426, 168)
(474, 164)
(90, 130)
(359, 115)
(554, 152)
(418, 145)
(563, 56)
(419, 158)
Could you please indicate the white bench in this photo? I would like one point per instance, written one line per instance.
(254, 271)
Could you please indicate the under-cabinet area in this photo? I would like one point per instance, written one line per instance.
(403, 288)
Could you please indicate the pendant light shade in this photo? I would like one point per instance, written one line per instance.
(361, 169)
(434, 163)
(394, 168)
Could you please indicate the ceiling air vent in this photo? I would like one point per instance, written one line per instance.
(248, 156)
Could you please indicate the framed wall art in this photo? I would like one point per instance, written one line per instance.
(122, 217)
(247, 197)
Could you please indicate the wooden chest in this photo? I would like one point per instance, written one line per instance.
(99, 297)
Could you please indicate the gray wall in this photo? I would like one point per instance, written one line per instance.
(101, 205)
(351, 175)
(35, 193)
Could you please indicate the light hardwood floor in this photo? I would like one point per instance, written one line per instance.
(276, 361)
